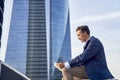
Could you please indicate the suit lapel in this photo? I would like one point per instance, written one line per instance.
(86, 44)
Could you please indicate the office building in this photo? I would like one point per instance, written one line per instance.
(39, 35)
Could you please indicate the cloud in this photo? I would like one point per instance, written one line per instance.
(93, 18)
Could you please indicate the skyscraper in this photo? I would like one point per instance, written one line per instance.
(39, 36)
(17, 40)
(37, 44)
(60, 47)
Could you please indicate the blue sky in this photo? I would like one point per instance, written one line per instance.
(103, 19)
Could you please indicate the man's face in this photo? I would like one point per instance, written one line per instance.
(81, 36)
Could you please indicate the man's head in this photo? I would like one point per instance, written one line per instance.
(83, 33)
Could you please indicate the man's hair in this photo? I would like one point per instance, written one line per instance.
(83, 28)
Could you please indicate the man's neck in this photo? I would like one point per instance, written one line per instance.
(87, 38)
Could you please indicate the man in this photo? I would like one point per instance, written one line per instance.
(91, 64)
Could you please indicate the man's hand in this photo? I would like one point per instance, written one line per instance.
(61, 65)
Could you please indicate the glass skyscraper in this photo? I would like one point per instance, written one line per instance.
(39, 35)
(37, 44)
(17, 39)
(60, 47)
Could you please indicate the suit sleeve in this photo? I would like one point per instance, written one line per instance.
(92, 49)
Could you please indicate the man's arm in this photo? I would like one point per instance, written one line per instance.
(90, 52)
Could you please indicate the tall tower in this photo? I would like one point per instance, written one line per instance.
(18, 34)
(60, 44)
(37, 42)
(39, 36)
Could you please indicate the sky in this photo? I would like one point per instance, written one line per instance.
(103, 19)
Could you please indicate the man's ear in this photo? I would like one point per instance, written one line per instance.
(85, 33)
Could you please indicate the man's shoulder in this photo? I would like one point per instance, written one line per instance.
(95, 40)
(92, 38)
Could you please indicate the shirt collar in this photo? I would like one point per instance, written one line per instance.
(87, 41)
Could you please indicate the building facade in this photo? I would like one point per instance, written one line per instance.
(37, 44)
(17, 38)
(60, 45)
(39, 35)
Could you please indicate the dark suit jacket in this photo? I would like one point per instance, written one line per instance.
(93, 58)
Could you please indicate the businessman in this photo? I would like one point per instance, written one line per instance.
(91, 63)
